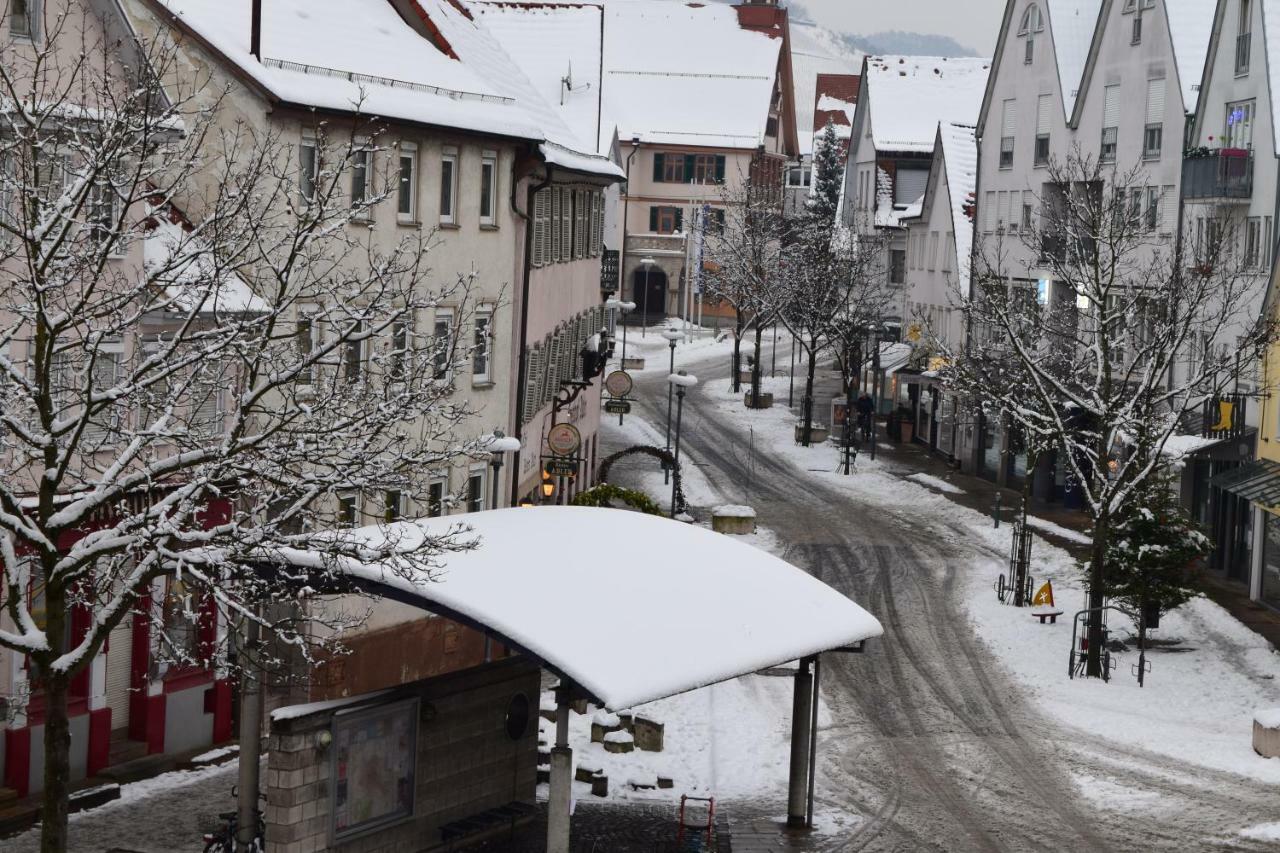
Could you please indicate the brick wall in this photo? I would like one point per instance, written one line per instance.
(466, 762)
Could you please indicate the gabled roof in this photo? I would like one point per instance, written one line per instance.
(909, 95)
(362, 56)
(815, 54)
(1071, 25)
(959, 148)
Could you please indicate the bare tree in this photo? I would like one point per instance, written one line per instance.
(184, 394)
(1112, 344)
(745, 251)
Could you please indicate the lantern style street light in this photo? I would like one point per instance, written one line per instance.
(680, 381)
(673, 336)
(499, 445)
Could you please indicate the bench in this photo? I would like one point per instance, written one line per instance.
(500, 817)
(1042, 613)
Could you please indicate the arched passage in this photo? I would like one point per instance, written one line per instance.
(649, 290)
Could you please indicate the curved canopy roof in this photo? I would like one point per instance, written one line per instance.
(629, 607)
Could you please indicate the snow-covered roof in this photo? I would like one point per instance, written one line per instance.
(960, 155)
(687, 74)
(176, 258)
(909, 95)
(1071, 25)
(558, 47)
(630, 607)
(1190, 25)
(816, 50)
(361, 55)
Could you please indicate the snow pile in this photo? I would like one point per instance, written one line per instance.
(936, 483)
(734, 510)
(1268, 718)
(1262, 832)
(620, 736)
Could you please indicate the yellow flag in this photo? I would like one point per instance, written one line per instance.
(1044, 595)
(1224, 415)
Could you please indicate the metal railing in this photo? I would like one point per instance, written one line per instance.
(1218, 173)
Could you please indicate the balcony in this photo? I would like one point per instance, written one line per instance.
(1217, 173)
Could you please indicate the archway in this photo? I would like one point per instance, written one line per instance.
(659, 453)
(649, 291)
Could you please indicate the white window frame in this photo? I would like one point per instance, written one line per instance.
(407, 187)
(437, 507)
(362, 177)
(93, 433)
(309, 312)
(353, 499)
(31, 33)
(442, 347)
(308, 143)
(449, 183)
(489, 188)
(482, 354)
(477, 471)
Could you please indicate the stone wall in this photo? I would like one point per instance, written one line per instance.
(466, 761)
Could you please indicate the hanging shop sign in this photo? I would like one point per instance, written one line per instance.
(564, 440)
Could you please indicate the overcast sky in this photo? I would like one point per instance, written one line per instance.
(973, 23)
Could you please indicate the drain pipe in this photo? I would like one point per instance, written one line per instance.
(523, 363)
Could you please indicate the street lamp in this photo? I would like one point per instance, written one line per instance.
(498, 446)
(622, 308)
(673, 336)
(548, 487)
(680, 381)
(647, 263)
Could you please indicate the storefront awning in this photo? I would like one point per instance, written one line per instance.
(1258, 482)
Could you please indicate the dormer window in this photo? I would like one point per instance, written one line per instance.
(1032, 23)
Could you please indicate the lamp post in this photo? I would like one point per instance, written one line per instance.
(680, 381)
(647, 263)
(622, 308)
(499, 445)
(673, 336)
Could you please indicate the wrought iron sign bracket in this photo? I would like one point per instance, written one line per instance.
(569, 391)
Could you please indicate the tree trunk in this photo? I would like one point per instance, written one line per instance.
(737, 353)
(57, 767)
(1093, 660)
(755, 369)
(808, 394)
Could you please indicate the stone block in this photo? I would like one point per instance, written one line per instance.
(764, 400)
(585, 773)
(602, 723)
(1266, 733)
(733, 520)
(580, 706)
(600, 786)
(649, 734)
(666, 782)
(619, 742)
(818, 433)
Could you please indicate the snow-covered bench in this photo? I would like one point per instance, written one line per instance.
(1046, 611)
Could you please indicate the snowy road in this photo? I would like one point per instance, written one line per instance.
(929, 742)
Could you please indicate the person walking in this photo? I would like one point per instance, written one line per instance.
(866, 410)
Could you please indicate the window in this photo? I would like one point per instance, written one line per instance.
(665, 220)
(353, 354)
(1239, 131)
(435, 498)
(715, 220)
(668, 168)
(1032, 21)
(1136, 36)
(22, 18)
(1044, 115)
(307, 337)
(449, 186)
(361, 160)
(392, 506)
(488, 187)
(1244, 39)
(1008, 126)
(101, 215)
(399, 350)
(597, 223)
(442, 338)
(1153, 131)
(475, 489)
(949, 252)
(481, 353)
(308, 169)
(1028, 211)
(1152, 221)
(1253, 242)
(799, 175)
(407, 192)
(104, 424)
(182, 617)
(208, 407)
(897, 266)
(989, 212)
(580, 224)
(909, 185)
(709, 168)
(1110, 124)
(348, 510)
(933, 251)
(1029, 51)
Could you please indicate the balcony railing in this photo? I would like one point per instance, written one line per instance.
(1217, 173)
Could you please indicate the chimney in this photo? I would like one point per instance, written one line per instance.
(255, 29)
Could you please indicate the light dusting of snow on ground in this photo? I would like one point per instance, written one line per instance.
(1058, 530)
(936, 483)
(1262, 832)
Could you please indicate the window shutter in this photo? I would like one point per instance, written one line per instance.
(1155, 101)
(990, 216)
(1043, 108)
(1169, 200)
(532, 377)
(1111, 107)
(540, 228)
(720, 167)
(554, 254)
(653, 218)
(1010, 119)
(659, 166)
(566, 224)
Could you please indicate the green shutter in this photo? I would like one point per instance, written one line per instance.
(720, 168)
(658, 164)
(679, 218)
(653, 219)
(690, 167)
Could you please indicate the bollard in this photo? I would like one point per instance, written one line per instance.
(995, 511)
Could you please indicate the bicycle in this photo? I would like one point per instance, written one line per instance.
(224, 840)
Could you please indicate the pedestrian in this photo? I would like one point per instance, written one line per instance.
(866, 410)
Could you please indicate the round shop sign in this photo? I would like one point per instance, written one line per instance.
(618, 383)
(564, 439)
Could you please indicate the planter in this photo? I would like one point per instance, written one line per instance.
(764, 400)
(733, 520)
(633, 364)
(817, 433)
(1266, 733)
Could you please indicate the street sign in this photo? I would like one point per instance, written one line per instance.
(609, 270)
(617, 407)
(564, 439)
(561, 466)
(618, 383)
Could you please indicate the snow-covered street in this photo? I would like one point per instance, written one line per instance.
(959, 730)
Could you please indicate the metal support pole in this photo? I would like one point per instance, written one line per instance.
(773, 366)
(995, 511)
(813, 738)
(558, 806)
(644, 321)
(624, 344)
(250, 739)
(798, 778)
(666, 473)
(791, 389)
(676, 455)
(497, 477)
(876, 390)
